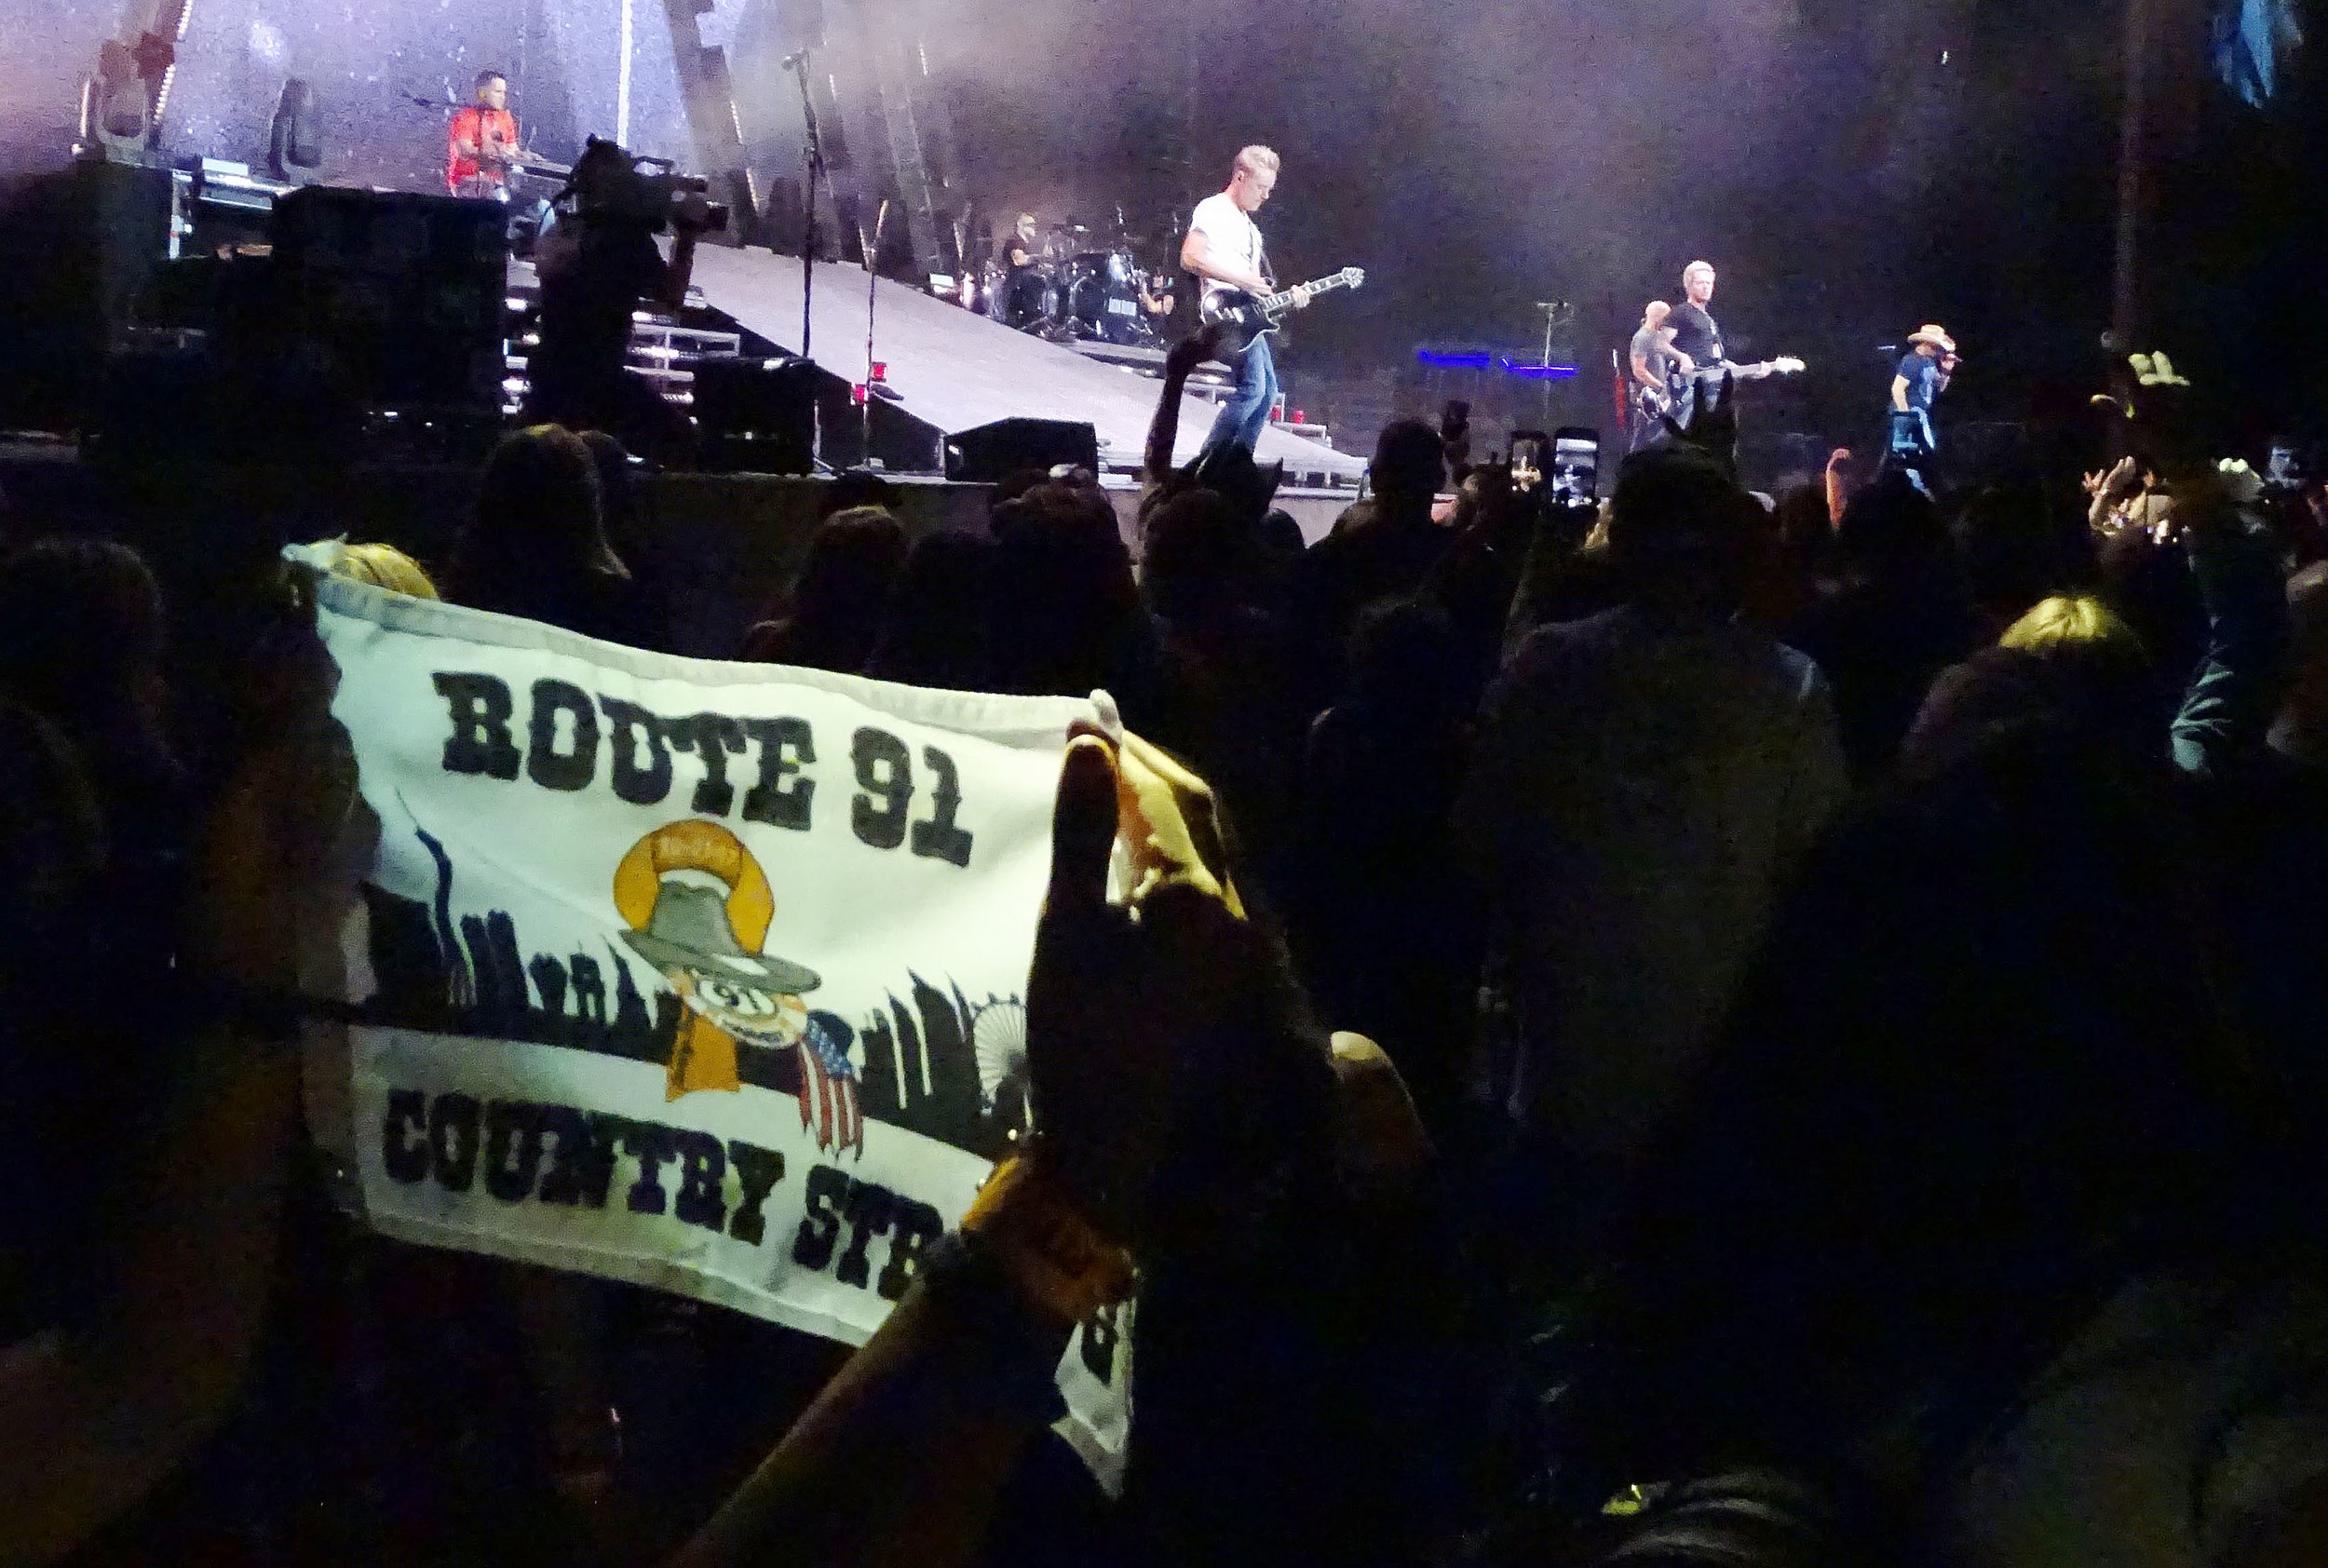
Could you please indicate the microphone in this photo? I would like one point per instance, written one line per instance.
(798, 57)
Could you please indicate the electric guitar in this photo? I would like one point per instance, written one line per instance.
(1252, 316)
(1679, 383)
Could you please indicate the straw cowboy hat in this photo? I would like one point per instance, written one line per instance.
(1936, 336)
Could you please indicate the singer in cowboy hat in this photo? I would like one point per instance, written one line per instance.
(1923, 376)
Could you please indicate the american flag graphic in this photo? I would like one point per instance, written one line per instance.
(828, 1086)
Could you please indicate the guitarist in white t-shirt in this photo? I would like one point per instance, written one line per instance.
(1223, 249)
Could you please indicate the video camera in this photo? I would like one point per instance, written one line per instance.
(610, 185)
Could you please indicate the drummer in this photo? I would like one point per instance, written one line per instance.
(1026, 279)
(1025, 245)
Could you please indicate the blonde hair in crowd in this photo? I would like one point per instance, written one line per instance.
(1255, 159)
(383, 566)
(1693, 269)
(2071, 621)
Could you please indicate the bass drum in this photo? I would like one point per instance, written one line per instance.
(1104, 299)
(1029, 301)
(1086, 295)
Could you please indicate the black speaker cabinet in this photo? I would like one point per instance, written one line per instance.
(405, 293)
(758, 416)
(991, 453)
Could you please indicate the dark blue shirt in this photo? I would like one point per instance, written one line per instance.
(1923, 378)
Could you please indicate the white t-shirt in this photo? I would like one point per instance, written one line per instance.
(1231, 238)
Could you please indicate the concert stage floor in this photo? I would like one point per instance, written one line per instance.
(955, 370)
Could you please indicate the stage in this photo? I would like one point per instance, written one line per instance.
(953, 370)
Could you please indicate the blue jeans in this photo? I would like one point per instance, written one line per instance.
(1246, 413)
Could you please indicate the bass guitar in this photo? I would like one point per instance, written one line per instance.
(1252, 316)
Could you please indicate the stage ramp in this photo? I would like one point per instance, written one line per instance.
(954, 370)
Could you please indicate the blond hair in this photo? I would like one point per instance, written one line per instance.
(1255, 159)
(1695, 267)
(2072, 623)
(1656, 311)
(383, 566)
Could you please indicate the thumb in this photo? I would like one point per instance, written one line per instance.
(1083, 827)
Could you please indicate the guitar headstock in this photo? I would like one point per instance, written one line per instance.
(1788, 366)
(1351, 277)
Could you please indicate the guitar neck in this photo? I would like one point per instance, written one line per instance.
(1762, 370)
(1278, 302)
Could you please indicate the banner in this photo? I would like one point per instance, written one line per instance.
(704, 977)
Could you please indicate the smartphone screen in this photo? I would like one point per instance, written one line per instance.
(1575, 470)
(1527, 459)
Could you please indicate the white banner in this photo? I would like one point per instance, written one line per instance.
(706, 977)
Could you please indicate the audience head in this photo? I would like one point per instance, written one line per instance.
(1890, 526)
(617, 492)
(82, 634)
(1199, 558)
(841, 596)
(1680, 531)
(1804, 531)
(2008, 547)
(1281, 544)
(859, 487)
(1231, 472)
(2070, 668)
(1410, 464)
(1017, 483)
(539, 517)
(383, 566)
(1404, 659)
(853, 561)
(1064, 593)
(2073, 626)
(936, 633)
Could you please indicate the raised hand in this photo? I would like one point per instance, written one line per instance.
(1137, 1013)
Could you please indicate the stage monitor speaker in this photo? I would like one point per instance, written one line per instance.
(991, 453)
(759, 416)
(405, 294)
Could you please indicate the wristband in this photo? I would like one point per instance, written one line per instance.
(1051, 1253)
(1024, 1353)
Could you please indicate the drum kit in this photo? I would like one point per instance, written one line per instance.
(1073, 291)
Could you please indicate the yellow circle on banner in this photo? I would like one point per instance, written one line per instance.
(696, 847)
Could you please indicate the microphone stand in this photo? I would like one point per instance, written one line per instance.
(873, 298)
(816, 167)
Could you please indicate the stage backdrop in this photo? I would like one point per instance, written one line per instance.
(706, 977)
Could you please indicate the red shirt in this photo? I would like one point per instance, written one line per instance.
(470, 125)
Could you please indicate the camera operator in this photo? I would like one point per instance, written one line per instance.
(596, 264)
